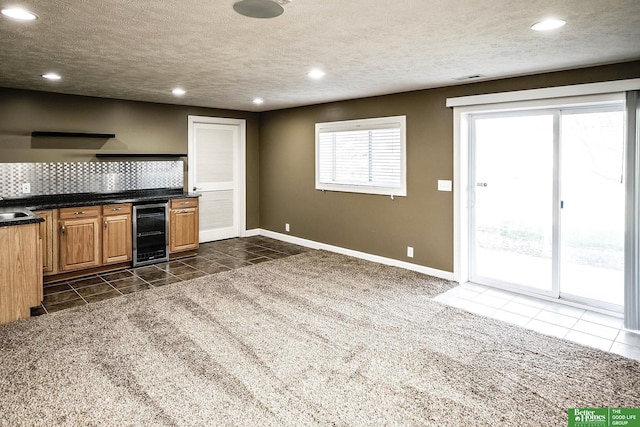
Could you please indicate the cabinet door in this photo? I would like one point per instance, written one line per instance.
(116, 238)
(79, 242)
(20, 283)
(48, 241)
(183, 229)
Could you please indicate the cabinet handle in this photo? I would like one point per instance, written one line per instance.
(184, 211)
(62, 229)
(105, 225)
(185, 203)
(116, 209)
(79, 213)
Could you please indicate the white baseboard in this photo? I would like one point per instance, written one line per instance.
(356, 254)
(251, 233)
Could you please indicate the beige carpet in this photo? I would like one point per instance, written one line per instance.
(314, 339)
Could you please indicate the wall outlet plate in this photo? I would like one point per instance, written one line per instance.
(26, 188)
(286, 227)
(445, 185)
(409, 251)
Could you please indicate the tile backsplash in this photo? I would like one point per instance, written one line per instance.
(88, 177)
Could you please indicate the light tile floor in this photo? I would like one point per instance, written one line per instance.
(585, 327)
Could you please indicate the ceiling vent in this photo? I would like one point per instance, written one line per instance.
(471, 77)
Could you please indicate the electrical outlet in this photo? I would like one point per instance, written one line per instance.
(409, 251)
(286, 227)
(26, 188)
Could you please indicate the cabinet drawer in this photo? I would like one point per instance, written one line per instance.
(80, 212)
(116, 209)
(184, 203)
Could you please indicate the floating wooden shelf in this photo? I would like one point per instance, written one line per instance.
(142, 155)
(73, 134)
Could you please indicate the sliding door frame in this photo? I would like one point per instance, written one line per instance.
(463, 114)
(632, 214)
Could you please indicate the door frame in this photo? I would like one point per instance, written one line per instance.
(240, 206)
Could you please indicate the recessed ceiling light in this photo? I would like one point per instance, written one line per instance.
(258, 101)
(548, 24)
(18, 13)
(178, 91)
(316, 74)
(51, 76)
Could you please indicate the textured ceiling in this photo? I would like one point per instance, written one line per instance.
(141, 49)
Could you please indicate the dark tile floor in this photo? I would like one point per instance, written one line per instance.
(212, 258)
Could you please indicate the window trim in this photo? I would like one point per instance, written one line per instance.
(363, 124)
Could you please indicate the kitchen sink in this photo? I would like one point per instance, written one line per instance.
(12, 215)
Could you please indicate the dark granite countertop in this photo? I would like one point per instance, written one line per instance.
(22, 216)
(28, 204)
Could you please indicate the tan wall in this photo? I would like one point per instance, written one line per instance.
(280, 157)
(140, 127)
(377, 224)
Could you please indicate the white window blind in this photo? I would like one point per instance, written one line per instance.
(362, 156)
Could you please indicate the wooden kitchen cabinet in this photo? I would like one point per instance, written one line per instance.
(79, 238)
(84, 240)
(183, 225)
(20, 271)
(49, 242)
(116, 233)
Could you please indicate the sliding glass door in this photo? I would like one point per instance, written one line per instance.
(512, 200)
(593, 194)
(547, 202)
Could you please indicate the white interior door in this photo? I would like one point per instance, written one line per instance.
(217, 172)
